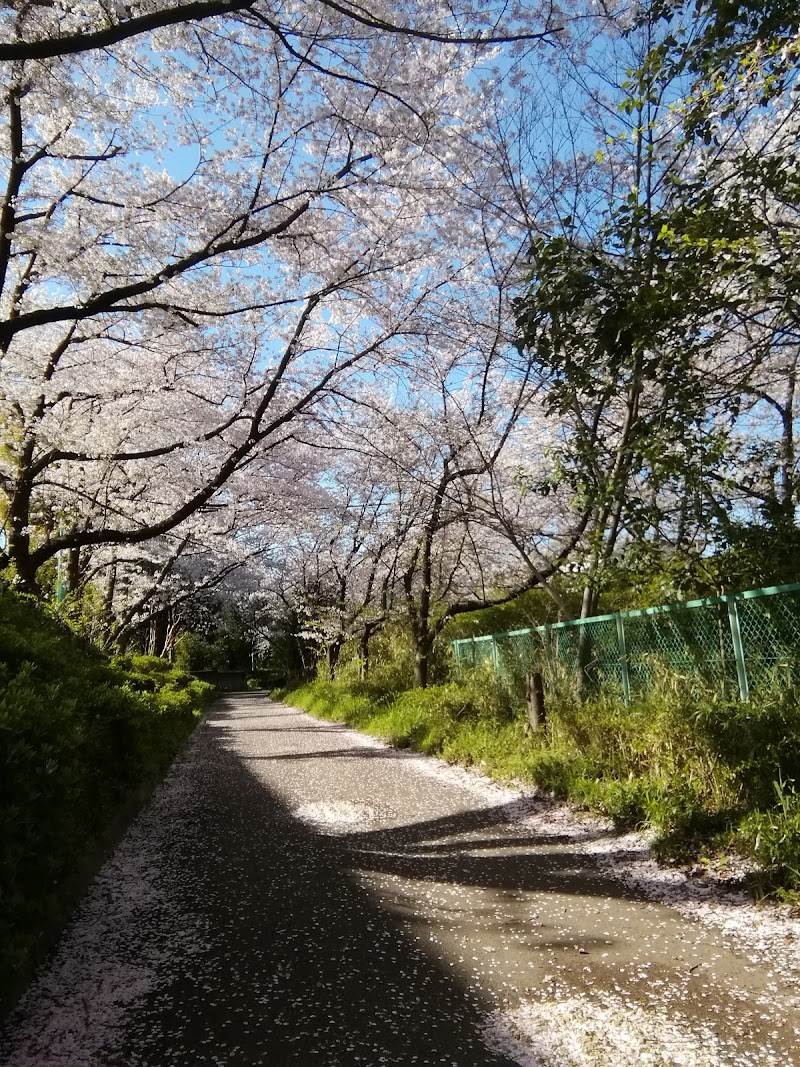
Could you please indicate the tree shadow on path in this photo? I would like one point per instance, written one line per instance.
(483, 849)
(294, 963)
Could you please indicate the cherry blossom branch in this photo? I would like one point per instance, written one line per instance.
(200, 10)
(75, 43)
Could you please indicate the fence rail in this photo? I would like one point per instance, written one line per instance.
(735, 643)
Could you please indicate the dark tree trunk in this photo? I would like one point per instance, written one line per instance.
(333, 652)
(422, 656)
(158, 633)
(363, 655)
(73, 570)
(534, 694)
(787, 466)
(107, 612)
(122, 640)
(420, 671)
(421, 621)
(19, 541)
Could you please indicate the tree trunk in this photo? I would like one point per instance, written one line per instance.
(786, 480)
(24, 568)
(363, 655)
(19, 540)
(122, 640)
(333, 651)
(158, 633)
(107, 621)
(420, 671)
(171, 636)
(421, 626)
(422, 657)
(588, 608)
(73, 570)
(534, 694)
(590, 597)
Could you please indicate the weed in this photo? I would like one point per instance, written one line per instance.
(772, 837)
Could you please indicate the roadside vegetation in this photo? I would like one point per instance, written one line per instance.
(706, 775)
(81, 734)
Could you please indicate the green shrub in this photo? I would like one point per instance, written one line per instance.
(77, 735)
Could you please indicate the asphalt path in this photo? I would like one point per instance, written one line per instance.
(297, 893)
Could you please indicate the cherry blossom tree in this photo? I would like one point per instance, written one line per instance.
(456, 459)
(342, 568)
(40, 30)
(212, 215)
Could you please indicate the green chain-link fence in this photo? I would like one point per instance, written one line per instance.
(734, 643)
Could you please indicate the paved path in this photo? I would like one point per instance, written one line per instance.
(299, 894)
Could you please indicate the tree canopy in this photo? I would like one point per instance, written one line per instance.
(368, 316)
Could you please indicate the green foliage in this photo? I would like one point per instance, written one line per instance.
(466, 722)
(78, 735)
(646, 573)
(83, 610)
(532, 608)
(196, 653)
(729, 45)
(226, 646)
(618, 319)
(758, 555)
(290, 656)
(690, 766)
(172, 689)
(773, 838)
(628, 310)
(391, 663)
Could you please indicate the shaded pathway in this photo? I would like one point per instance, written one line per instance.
(299, 894)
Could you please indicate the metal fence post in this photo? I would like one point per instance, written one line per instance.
(495, 657)
(738, 647)
(623, 660)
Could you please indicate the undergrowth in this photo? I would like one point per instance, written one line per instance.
(707, 775)
(79, 734)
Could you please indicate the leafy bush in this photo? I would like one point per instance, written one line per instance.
(194, 653)
(225, 646)
(78, 734)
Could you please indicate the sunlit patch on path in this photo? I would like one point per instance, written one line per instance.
(330, 818)
(582, 1031)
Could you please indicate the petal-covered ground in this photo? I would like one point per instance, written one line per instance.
(297, 893)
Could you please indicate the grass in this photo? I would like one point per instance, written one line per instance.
(707, 775)
(79, 735)
(773, 837)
